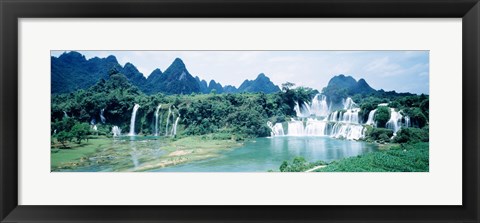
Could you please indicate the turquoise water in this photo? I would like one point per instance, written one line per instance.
(263, 154)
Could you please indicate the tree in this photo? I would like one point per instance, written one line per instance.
(382, 115)
(63, 125)
(80, 131)
(286, 86)
(64, 137)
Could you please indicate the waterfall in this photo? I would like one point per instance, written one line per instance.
(168, 120)
(351, 116)
(132, 120)
(370, 120)
(94, 128)
(102, 118)
(156, 119)
(395, 121)
(174, 127)
(65, 114)
(333, 117)
(345, 123)
(348, 116)
(277, 129)
(407, 121)
(295, 128)
(337, 124)
(93, 121)
(347, 131)
(116, 131)
(349, 104)
(319, 106)
(315, 127)
(302, 110)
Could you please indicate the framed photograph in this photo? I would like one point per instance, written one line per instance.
(226, 111)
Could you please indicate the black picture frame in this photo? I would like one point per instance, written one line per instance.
(12, 10)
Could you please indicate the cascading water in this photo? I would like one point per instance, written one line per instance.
(347, 131)
(315, 127)
(277, 129)
(156, 119)
(407, 121)
(174, 127)
(349, 104)
(394, 123)
(132, 120)
(65, 114)
(116, 131)
(102, 118)
(319, 106)
(345, 123)
(338, 124)
(333, 117)
(302, 110)
(370, 120)
(295, 128)
(351, 116)
(168, 120)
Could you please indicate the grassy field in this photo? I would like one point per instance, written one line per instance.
(76, 152)
(400, 158)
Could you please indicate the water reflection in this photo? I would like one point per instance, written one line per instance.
(268, 153)
(134, 154)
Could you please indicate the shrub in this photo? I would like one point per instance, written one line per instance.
(384, 137)
(412, 135)
(299, 164)
(379, 134)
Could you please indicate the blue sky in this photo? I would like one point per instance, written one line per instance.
(402, 71)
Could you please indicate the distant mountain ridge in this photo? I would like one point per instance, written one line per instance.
(342, 86)
(349, 84)
(261, 84)
(72, 71)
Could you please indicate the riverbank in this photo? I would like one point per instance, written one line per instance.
(138, 154)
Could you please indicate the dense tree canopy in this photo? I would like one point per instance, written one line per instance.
(241, 114)
(382, 116)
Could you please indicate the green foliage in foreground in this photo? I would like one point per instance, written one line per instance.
(299, 164)
(412, 135)
(380, 135)
(404, 158)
